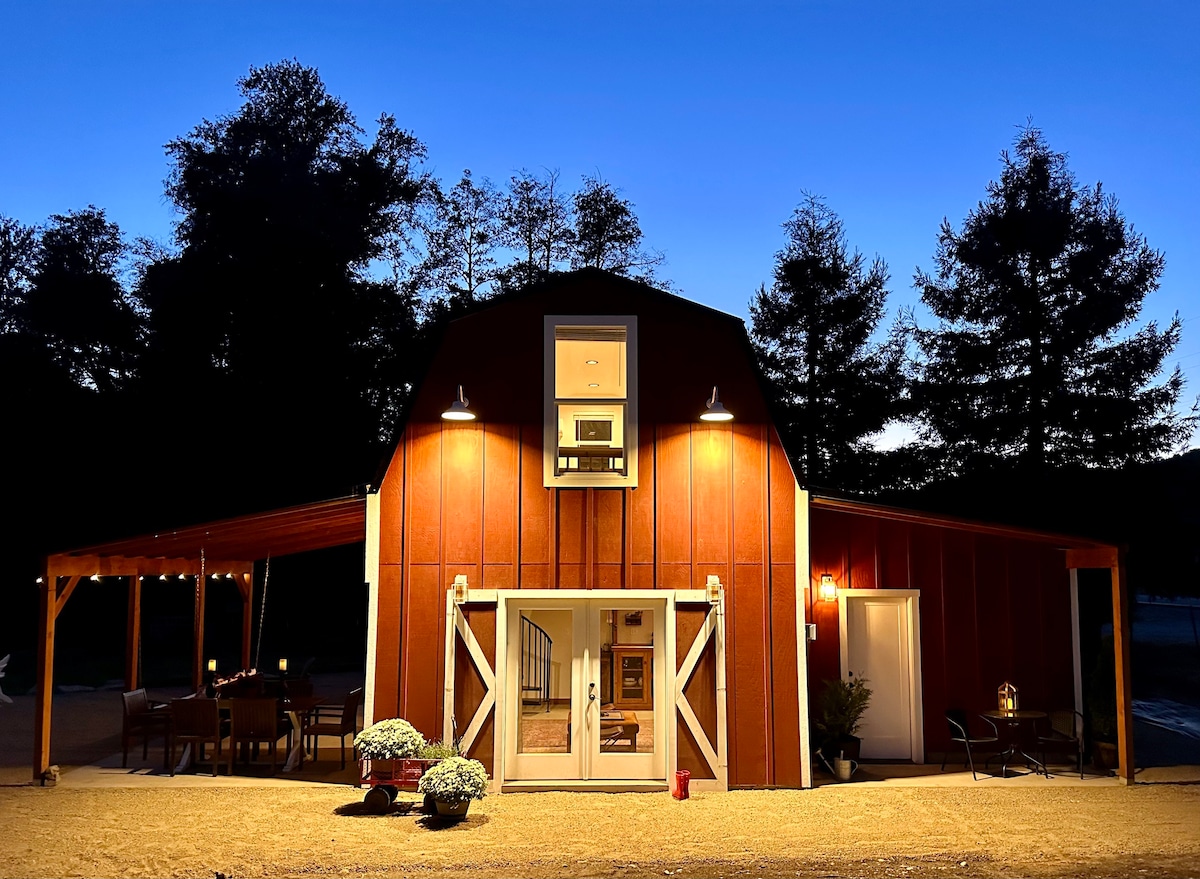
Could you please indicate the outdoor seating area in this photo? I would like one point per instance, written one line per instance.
(1013, 736)
(241, 721)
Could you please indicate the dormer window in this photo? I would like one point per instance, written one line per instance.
(591, 401)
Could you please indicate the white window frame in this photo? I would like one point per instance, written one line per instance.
(629, 478)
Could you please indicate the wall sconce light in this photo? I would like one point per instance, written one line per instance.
(458, 410)
(828, 588)
(460, 588)
(714, 411)
(712, 589)
(1006, 697)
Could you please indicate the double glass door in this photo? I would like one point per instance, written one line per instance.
(586, 689)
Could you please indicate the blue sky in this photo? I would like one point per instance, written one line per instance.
(712, 118)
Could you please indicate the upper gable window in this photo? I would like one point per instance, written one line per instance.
(591, 401)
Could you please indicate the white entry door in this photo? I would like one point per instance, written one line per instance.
(880, 638)
(586, 690)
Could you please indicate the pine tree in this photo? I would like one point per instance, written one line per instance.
(1035, 359)
(812, 330)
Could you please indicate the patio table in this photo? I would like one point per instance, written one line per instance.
(1014, 722)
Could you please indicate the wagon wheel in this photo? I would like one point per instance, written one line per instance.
(377, 800)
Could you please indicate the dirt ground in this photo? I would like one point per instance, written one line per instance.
(103, 821)
(845, 830)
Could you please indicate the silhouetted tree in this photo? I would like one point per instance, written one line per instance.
(272, 308)
(461, 240)
(1035, 359)
(607, 234)
(536, 219)
(17, 254)
(76, 304)
(833, 388)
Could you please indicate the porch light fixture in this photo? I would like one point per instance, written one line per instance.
(458, 410)
(714, 411)
(460, 588)
(712, 589)
(1006, 697)
(828, 588)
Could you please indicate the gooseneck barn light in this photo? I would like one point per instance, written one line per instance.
(714, 411)
(458, 410)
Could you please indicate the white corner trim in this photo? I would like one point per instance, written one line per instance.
(803, 580)
(371, 575)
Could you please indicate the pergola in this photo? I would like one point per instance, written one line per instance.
(225, 549)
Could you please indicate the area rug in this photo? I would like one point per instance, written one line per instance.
(544, 735)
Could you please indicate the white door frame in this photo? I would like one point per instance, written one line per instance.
(911, 599)
(664, 677)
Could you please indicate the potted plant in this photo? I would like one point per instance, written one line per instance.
(840, 710)
(382, 749)
(453, 783)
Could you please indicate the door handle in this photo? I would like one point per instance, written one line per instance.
(591, 692)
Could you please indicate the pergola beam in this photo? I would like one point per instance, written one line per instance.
(145, 566)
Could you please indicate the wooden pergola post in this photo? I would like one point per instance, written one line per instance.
(133, 633)
(1113, 559)
(246, 587)
(1121, 639)
(47, 612)
(198, 651)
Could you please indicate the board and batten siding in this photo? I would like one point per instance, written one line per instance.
(469, 498)
(992, 608)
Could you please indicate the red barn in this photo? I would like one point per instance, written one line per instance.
(590, 559)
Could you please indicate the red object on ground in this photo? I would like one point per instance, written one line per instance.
(682, 777)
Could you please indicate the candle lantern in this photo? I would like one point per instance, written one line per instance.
(283, 665)
(1006, 697)
(212, 665)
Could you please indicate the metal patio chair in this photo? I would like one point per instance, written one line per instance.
(956, 721)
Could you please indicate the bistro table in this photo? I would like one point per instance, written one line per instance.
(1014, 721)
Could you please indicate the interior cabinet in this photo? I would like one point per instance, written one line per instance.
(633, 677)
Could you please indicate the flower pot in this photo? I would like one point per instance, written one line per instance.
(452, 810)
